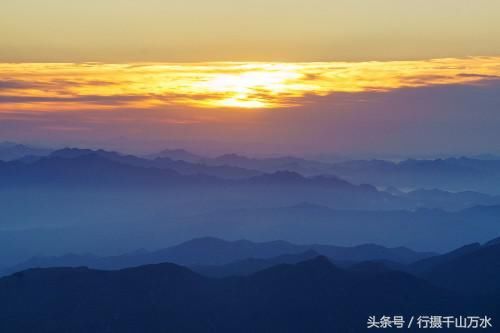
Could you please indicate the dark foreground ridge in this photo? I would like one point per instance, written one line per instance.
(311, 296)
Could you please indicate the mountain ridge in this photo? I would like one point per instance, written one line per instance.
(212, 251)
(168, 297)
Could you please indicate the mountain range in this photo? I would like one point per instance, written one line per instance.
(309, 295)
(177, 155)
(85, 167)
(475, 173)
(421, 229)
(450, 174)
(78, 194)
(312, 295)
(411, 219)
(454, 174)
(208, 251)
(191, 167)
(10, 151)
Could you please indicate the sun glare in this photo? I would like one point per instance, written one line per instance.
(250, 89)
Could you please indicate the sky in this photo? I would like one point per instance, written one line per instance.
(235, 30)
(361, 77)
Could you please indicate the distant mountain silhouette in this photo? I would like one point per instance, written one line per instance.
(164, 162)
(293, 178)
(310, 296)
(252, 265)
(433, 229)
(427, 264)
(70, 164)
(472, 269)
(493, 242)
(12, 151)
(241, 255)
(303, 166)
(264, 165)
(475, 271)
(436, 198)
(457, 174)
(88, 170)
(177, 155)
(271, 164)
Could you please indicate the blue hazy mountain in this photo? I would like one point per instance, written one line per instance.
(303, 166)
(436, 198)
(177, 155)
(53, 205)
(286, 178)
(454, 174)
(476, 173)
(103, 168)
(229, 256)
(62, 221)
(425, 265)
(107, 169)
(457, 174)
(87, 170)
(164, 161)
(474, 271)
(10, 151)
(252, 265)
(222, 166)
(271, 164)
(313, 295)
(421, 229)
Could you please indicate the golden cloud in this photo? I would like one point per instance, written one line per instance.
(254, 85)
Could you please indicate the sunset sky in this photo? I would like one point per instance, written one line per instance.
(258, 77)
(237, 30)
